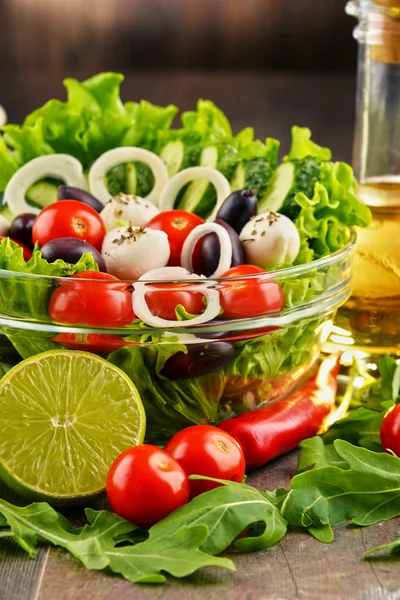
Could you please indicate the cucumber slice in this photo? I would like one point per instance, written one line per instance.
(238, 178)
(42, 194)
(172, 155)
(279, 186)
(197, 197)
(131, 179)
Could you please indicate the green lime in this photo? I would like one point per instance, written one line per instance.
(64, 417)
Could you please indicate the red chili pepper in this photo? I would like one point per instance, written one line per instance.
(279, 427)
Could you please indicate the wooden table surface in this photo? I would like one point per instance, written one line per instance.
(299, 566)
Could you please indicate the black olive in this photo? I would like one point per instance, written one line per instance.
(210, 249)
(66, 192)
(70, 249)
(238, 208)
(21, 229)
(200, 360)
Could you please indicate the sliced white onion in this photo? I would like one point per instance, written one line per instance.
(3, 117)
(58, 166)
(225, 255)
(142, 311)
(170, 191)
(112, 158)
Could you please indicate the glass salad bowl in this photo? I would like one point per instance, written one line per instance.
(189, 372)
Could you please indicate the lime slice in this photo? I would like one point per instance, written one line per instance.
(64, 417)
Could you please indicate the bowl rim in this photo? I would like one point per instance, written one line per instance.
(286, 272)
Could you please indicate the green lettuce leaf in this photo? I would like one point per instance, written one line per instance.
(91, 121)
(169, 405)
(24, 295)
(266, 366)
(303, 146)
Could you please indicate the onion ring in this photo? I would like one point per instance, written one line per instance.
(117, 156)
(225, 256)
(58, 166)
(142, 311)
(170, 191)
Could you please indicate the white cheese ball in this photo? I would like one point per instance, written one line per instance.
(270, 239)
(134, 209)
(4, 225)
(130, 252)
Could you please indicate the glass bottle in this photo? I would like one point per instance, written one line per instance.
(370, 320)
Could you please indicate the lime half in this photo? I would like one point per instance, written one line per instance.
(64, 417)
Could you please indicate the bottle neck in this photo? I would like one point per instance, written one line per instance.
(378, 27)
(376, 152)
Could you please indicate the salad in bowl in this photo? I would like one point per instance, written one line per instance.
(193, 258)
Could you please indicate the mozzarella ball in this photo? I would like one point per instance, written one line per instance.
(134, 209)
(4, 225)
(130, 252)
(269, 240)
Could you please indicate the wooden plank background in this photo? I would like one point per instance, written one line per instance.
(223, 34)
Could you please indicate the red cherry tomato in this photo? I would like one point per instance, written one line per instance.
(27, 253)
(69, 219)
(163, 301)
(249, 296)
(209, 451)
(91, 342)
(177, 224)
(390, 431)
(145, 484)
(92, 303)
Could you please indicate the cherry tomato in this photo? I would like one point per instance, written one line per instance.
(209, 451)
(145, 484)
(92, 303)
(69, 219)
(91, 342)
(27, 253)
(390, 431)
(163, 301)
(249, 296)
(177, 224)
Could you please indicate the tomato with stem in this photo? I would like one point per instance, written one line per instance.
(209, 451)
(177, 224)
(145, 484)
(66, 219)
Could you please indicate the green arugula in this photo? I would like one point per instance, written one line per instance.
(363, 490)
(186, 541)
(96, 544)
(390, 548)
(227, 511)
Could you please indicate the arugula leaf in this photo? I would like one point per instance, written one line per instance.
(315, 454)
(95, 545)
(390, 548)
(365, 493)
(227, 511)
(374, 392)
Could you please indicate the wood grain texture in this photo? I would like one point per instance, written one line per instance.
(20, 577)
(257, 34)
